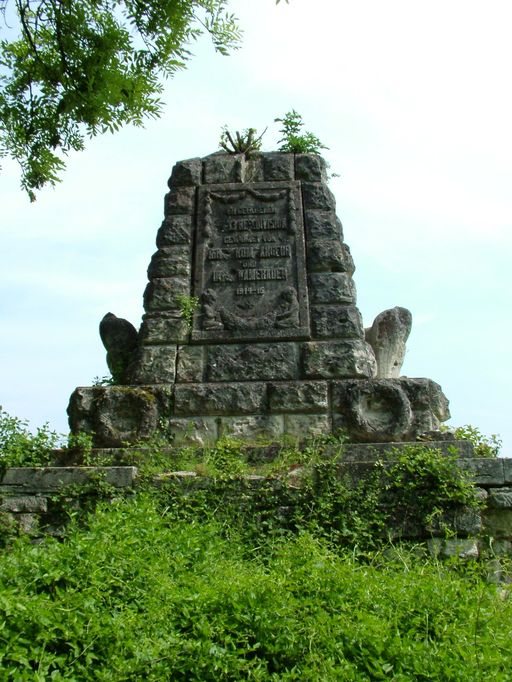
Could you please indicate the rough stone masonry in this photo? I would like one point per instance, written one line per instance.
(276, 344)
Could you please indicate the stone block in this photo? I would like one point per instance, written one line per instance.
(332, 287)
(179, 201)
(162, 328)
(253, 427)
(372, 410)
(368, 452)
(322, 225)
(500, 498)
(464, 548)
(329, 255)
(25, 505)
(195, 431)
(190, 364)
(305, 426)
(425, 394)
(337, 359)
(165, 293)
(317, 195)
(252, 169)
(222, 168)
(484, 471)
(507, 470)
(175, 229)
(52, 479)
(252, 362)
(498, 523)
(310, 168)
(185, 173)
(298, 396)
(118, 415)
(278, 167)
(170, 262)
(336, 321)
(217, 399)
(154, 365)
(465, 522)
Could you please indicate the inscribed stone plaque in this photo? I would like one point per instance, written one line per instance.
(250, 273)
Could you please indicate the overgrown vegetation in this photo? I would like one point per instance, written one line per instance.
(141, 595)
(291, 576)
(246, 142)
(294, 139)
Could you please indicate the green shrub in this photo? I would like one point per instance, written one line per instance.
(294, 139)
(20, 447)
(485, 446)
(140, 596)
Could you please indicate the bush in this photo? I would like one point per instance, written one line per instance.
(138, 595)
(19, 447)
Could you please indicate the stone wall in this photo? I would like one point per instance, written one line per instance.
(26, 499)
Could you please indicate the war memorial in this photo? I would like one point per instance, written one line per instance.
(251, 327)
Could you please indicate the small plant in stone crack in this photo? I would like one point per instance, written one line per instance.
(294, 139)
(246, 142)
(188, 305)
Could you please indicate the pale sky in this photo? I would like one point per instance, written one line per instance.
(414, 102)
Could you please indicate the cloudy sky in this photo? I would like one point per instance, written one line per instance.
(414, 102)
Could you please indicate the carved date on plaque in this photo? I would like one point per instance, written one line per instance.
(250, 263)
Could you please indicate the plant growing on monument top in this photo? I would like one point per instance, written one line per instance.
(241, 143)
(294, 139)
(20, 447)
(485, 446)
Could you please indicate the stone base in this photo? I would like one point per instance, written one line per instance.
(366, 410)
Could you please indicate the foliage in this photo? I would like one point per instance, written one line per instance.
(244, 143)
(188, 305)
(80, 68)
(138, 595)
(293, 139)
(19, 447)
(485, 446)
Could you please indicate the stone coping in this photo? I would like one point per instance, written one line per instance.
(51, 479)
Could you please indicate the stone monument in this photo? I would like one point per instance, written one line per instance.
(251, 326)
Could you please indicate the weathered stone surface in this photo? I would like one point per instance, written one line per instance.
(426, 394)
(310, 168)
(498, 523)
(250, 264)
(252, 362)
(337, 359)
(175, 229)
(25, 505)
(298, 396)
(484, 471)
(464, 548)
(165, 293)
(372, 410)
(304, 426)
(188, 172)
(332, 287)
(336, 321)
(388, 336)
(190, 364)
(252, 169)
(117, 415)
(166, 328)
(170, 262)
(370, 452)
(318, 195)
(197, 431)
(507, 471)
(329, 255)
(221, 168)
(50, 479)
(120, 339)
(278, 166)
(465, 522)
(322, 225)
(252, 427)
(216, 399)
(180, 200)
(154, 365)
(500, 498)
